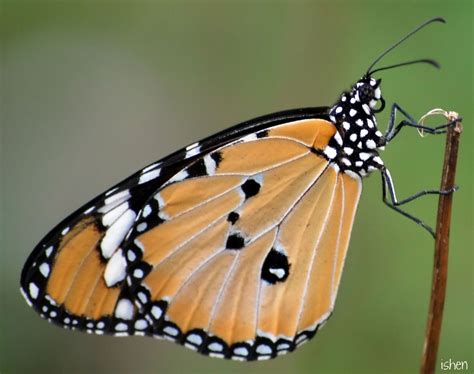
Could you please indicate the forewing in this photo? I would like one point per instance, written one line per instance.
(234, 250)
(65, 277)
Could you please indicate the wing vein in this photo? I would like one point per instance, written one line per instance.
(94, 246)
(310, 186)
(338, 243)
(313, 257)
(221, 291)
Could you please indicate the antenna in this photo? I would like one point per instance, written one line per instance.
(424, 60)
(426, 23)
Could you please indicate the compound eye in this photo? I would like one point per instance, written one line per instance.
(366, 93)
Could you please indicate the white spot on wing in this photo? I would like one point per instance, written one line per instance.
(352, 112)
(116, 233)
(194, 338)
(279, 273)
(141, 324)
(150, 167)
(87, 211)
(49, 251)
(241, 351)
(264, 349)
(179, 176)
(210, 165)
(156, 312)
(131, 256)
(124, 309)
(111, 191)
(44, 269)
(34, 290)
(138, 273)
(110, 217)
(121, 327)
(171, 330)
(114, 198)
(192, 150)
(216, 347)
(146, 211)
(249, 137)
(115, 269)
(301, 339)
(149, 176)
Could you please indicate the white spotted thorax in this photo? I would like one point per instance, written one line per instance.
(354, 148)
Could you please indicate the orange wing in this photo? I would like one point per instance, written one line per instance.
(237, 255)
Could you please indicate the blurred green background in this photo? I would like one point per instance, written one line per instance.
(92, 91)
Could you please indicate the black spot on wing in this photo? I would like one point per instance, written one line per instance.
(235, 241)
(217, 157)
(275, 267)
(262, 134)
(250, 188)
(233, 217)
(197, 169)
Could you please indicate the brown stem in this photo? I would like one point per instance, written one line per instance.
(440, 266)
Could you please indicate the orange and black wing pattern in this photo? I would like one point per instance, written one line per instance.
(233, 246)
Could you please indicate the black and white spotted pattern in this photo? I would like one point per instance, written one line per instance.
(354, 148)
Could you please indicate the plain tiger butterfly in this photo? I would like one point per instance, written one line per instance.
(233, 246)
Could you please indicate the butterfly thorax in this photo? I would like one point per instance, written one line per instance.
(354, 147)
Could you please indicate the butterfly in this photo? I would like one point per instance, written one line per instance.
(233, 246)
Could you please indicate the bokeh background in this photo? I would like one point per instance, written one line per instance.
(94, 90)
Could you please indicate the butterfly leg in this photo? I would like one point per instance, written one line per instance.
(393, 130)
(390, 198)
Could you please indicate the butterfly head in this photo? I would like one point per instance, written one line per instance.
(367, 91)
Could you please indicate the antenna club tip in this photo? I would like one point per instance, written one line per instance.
(434, 63)
(439, 19)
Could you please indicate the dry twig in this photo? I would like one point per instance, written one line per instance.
(440, 266)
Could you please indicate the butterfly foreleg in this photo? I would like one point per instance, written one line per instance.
(393, 130)
(389, 197)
